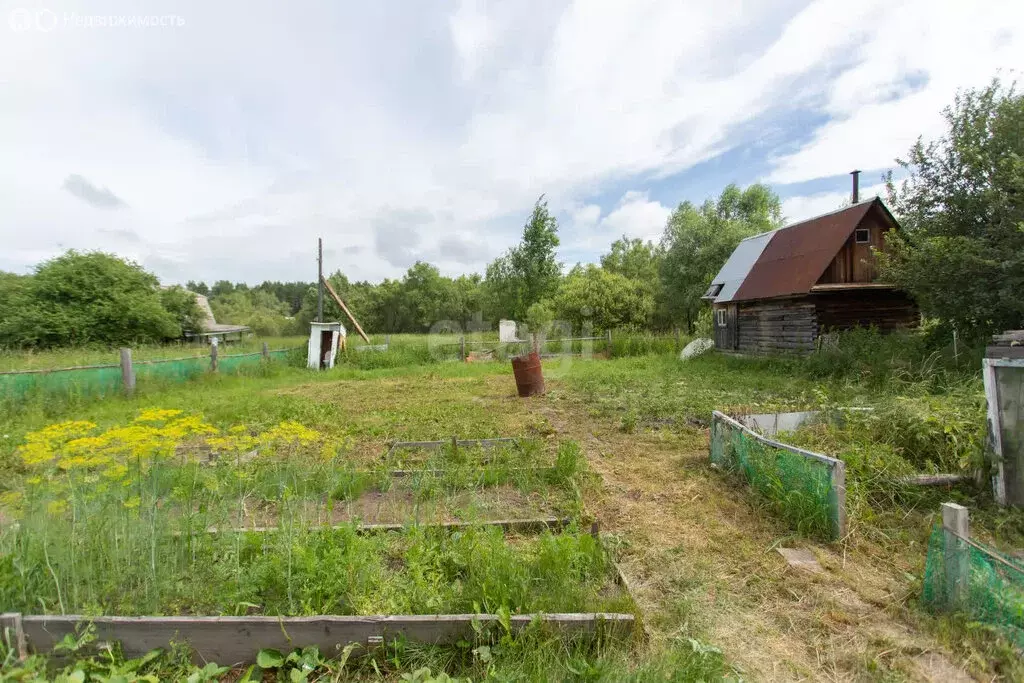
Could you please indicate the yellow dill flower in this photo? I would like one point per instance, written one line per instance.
(11, 499)
(157, 415)
(132, 503)
(289, 432)
(57, 507)
(115, 472)
(34, 481)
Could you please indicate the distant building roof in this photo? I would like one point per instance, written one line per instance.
(790, 260)
(209, 323)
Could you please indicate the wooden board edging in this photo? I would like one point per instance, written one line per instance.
(532, 525)
(837, 469)
(237, 640)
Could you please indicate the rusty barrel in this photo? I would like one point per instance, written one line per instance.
(529, 379)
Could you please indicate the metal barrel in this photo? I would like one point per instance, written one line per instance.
(529, 378)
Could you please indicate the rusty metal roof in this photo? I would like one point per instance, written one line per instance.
(796, 256)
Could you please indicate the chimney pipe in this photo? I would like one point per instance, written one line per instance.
(856, 186)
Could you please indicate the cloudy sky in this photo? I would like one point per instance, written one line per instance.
(215, 140)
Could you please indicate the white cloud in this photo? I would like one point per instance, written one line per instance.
(233, 141)
(948, 44)
(796, 209)
(634, 216)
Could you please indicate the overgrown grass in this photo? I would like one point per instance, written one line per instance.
(298, 570)
(119, 520)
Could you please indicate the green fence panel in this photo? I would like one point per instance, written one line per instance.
(995, 589)
(177, 370)
(807, 489)
(77, 382)
(106, 380)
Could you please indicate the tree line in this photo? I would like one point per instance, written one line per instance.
(960, 253)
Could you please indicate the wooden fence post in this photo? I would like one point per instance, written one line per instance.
(956, 527)
(462, 348)
(213, 358)
(127, 371)
(839, 486)
(266, 351)
(608, 338)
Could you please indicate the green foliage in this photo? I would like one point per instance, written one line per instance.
(604, 299)
(961, 253)
(698, 240)
(423, 300)
(89, 298)
(528, 272)
(258, 308)
(640, 262)
(181, 303)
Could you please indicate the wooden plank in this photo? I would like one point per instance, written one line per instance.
(935, 479)
(237, 640)
(11, 627)
(405, 474)
(127, 371)
(341, 303)
(434, 445)
(956, 529)
(531, 525)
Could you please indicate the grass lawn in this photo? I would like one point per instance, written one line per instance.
(696, 546)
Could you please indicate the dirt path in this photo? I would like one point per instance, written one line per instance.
(701, 558)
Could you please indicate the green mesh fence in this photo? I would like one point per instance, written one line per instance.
(94, 381)
(104, 380)
(806, 489)
(993, 593)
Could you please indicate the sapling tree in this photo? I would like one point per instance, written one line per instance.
(538, 318)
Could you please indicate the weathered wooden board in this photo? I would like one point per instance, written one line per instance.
(237, 640)
(513, 525)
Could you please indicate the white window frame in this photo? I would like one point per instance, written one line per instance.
(720, 317)
(858, 232)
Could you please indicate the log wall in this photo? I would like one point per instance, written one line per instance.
(887, 310)
(777, 326)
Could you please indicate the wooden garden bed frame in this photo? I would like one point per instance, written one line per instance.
(237, 640)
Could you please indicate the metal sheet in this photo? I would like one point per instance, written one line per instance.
(735, 270)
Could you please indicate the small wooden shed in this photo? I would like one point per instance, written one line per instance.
(780, 291)
(325, 340)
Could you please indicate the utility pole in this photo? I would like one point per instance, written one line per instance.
(319, 279)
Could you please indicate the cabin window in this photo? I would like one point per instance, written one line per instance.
(863, 236)
(720, 317)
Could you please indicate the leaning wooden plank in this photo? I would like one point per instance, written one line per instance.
(513, 525)
(935, 479)
(341, 303)
(237, 640)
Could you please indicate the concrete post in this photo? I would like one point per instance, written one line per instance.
(266, 351)
(213, 357)
(955, 527)
(127, 371)
(462, 349)
(608, 338)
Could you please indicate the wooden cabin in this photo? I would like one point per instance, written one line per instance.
(781, 291)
